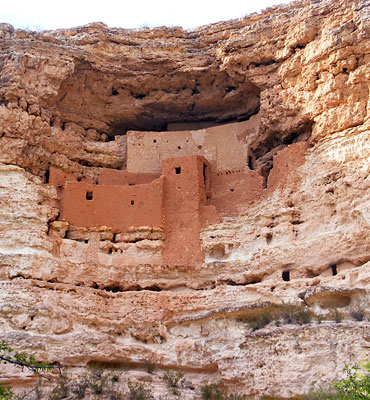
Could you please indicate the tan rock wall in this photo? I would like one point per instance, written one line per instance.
(66, 94)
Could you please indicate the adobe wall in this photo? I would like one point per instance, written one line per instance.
(187, 126)
(58, 177)
(286, 161)
(118, 207)
(122, 177)
(234, 189)
(185, 197)
(224, 146)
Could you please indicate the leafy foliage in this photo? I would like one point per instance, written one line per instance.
(6, 393)
(9, 355)
(320, 394)
(173, 379)
(356, 384)
(138, 391)
(358, 313)
(259, 321)
(214, 392)
(336, 315)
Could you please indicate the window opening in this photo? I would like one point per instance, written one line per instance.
(286, 276)
(250, 162)
(47, 176)
(178, 170)
(132, 202)
(89, 195)
(334, 269)
(205, 173)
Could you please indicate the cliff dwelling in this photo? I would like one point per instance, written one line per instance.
(188, 207)
(175, 183)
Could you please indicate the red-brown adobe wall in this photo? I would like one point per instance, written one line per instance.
(118, 207)
(185, 209)
(232, 190)
(58, 177)
(286, 163)
(122, 177)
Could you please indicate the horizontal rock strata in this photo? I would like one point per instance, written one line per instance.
(76, 295)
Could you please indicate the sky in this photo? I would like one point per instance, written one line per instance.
(49, 14)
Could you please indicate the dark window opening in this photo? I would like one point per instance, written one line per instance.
(132, 202)
(286, 276)
(46, 176)
(231, 190)
(79, 179)
(86, 241)
(250, 162)
(200, 147)
(205, 173)
(178, 170)
(114, 92)
(334, 269)
(154, 140)
(89, 195)
(269, 238)
(179, 147)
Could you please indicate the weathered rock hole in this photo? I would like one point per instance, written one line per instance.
(286, 276)
(113, 289)
(333, 268)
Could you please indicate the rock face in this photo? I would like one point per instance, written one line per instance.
(161, 187)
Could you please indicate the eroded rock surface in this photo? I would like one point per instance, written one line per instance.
(296, 78)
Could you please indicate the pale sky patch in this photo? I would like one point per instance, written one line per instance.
(48, 14)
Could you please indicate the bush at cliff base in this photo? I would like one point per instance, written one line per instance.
(356, 384)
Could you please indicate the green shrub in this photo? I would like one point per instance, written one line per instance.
(79, 388)
(295, 314)
(356, 384)
(211, 392)
(214, 392)
(287, 312)
(149, 365)
(319, 318)
(172, 380)
(320, 394)
(138, 391)
(6, 393)
(259, 321)
(303, 316)
(336, 315)
(61, 389)
(358, 313)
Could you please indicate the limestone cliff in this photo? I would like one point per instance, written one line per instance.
(286, 218)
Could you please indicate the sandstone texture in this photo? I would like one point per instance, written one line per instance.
(269, 113)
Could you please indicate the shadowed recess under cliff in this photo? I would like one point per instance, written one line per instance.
(104, 100)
